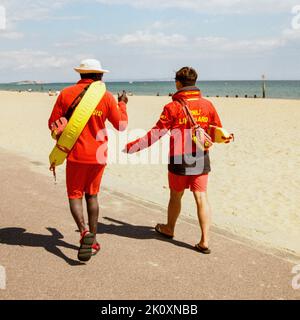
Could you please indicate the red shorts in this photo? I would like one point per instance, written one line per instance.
(194, 183)
(83, 178)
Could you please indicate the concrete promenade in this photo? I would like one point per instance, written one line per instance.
(39, 242)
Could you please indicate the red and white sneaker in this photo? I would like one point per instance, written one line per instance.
(95, 248)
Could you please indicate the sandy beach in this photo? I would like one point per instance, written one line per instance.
(254, 183)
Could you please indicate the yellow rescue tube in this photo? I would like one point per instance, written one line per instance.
(77, 123)
(219, 135)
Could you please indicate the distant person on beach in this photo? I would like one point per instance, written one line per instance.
(188, 169)
(84, 168)
(51, 93)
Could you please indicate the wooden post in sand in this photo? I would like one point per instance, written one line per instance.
(263, 86)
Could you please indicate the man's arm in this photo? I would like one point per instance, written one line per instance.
(117, 114)
(163, 125)
(215, 119)
(57, 111)
(216, 122)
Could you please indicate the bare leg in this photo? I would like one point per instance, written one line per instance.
(174, 209)
(93, 212)
(204, 216)
(77, 213)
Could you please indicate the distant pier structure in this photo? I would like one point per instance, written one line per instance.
(264, 87)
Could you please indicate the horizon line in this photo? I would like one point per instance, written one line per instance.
(38, 82)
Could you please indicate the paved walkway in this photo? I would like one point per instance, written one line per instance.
(38, 249)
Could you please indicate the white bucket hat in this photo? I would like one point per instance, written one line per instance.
(90, 66)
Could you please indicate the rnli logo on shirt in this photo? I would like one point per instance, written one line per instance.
(202, 119)
(182, 121)
(97, 113)
(198, 119)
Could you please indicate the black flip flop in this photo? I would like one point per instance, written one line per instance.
(202, 250)
(157, 229)
(85, 250)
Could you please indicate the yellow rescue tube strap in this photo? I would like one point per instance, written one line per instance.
(77, 123)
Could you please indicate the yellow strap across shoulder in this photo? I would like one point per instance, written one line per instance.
(77, 123)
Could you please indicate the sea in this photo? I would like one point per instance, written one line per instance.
(274, 89)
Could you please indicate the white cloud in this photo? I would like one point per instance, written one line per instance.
(85, 38)
(36, 10)
(142, 38)
(33, 10)
(154, 39)
(65, 18)
(162, 24)
(11, 35)
(212, 6)
(204, 46)
(221, 46)
(30, 59)
(291, 35)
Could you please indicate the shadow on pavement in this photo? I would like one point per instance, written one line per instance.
(123, 229)
(19, 237)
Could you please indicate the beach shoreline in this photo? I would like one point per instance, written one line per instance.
(275, 89)
(167, 96)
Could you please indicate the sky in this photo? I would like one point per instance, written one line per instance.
(150, 39)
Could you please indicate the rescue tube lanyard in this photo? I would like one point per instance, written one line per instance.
(53, 166)
(191, 118)
(75, 103)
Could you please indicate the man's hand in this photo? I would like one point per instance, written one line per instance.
(123, 97)
(132, 147)
(229, 139)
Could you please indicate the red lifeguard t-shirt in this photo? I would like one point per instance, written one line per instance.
(94, 134)
(173, 118)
